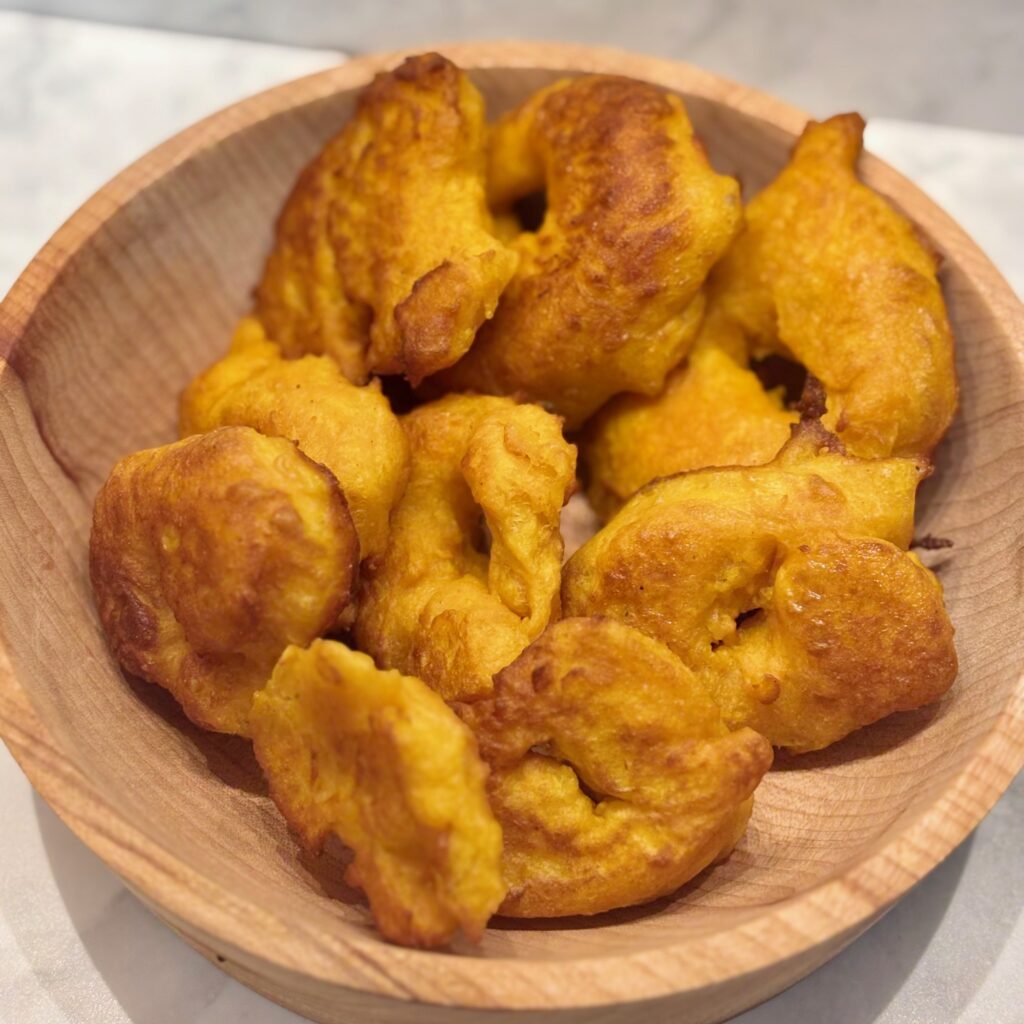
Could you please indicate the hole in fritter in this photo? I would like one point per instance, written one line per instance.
(399, 393)
(776, 371)
(531, 210)
(741, 620)
(745, 617)
(480, 535)
(591, 794)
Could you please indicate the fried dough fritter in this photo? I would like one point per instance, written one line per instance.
(388, 231)
(603, 300)
(209, 556)
(380, 760)
(439, 605)
(826, 273)
(830, 274)
(351, 430)
(578, 265)
(301, 299)
(787, 587)
(612, 773)
(713, 412)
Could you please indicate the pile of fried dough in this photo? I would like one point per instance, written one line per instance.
(354, 555)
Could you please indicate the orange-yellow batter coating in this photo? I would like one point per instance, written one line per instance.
(612, 773)
(351, 430)
(381, 761)
(209, 556)
(786, 587)
(604, 297)
(472, 572)
(386, 257)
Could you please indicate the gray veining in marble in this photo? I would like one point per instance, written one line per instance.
(80, 101)
(947, 61)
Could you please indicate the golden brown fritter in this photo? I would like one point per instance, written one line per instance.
(602, 301)
(484, 754)
(381, 761)
(786, 587)
(440, 605)
(713, 412)
(612, 773)
(351, 430)
(209, 556)
(301, 299)
(829, 274)
(826, 273)
(390, 228)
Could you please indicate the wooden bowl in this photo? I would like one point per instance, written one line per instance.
(137, 292)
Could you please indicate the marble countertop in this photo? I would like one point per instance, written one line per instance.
(940, 61)
(81, 101)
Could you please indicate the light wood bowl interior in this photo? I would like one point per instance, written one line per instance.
(137, 293)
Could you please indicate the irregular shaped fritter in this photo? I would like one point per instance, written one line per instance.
(450, 603)
(210, 556)
(349, 429)
(786, 586)
(381, 761)
(390, 227)
(829, 274)
(301, 299)
(602, 300)
(854, 630)
(826, 273)
(713, 412)
(612, 773)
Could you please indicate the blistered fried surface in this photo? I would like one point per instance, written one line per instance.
(830, 274)
(390, 228)
(472, 571)
(209, 556)
(853, 630)
(380, 760)
(351, 430)
(602, 299)
(786, 586)
(612, 773)
(713, 412)
(301, 298)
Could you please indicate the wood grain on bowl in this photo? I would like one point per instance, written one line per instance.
(139, 291)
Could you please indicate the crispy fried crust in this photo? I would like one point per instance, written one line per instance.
(350, 430)
(612, 773)
(787, 587)
(827, 272)
(301, 299)
(485, 755)
(636, 217)
(713, 412)
(380, 760)
(209, 556)
(439, 605)
(387, 238)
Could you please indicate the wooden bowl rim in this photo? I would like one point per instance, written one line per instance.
(835, 908)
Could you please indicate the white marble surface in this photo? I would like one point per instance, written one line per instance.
(79, 101)
(941, 61)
